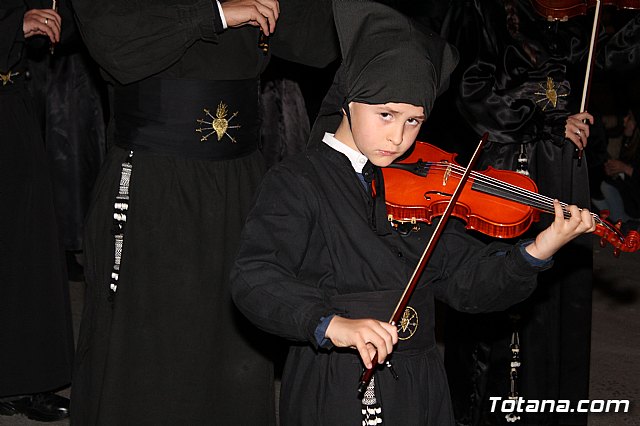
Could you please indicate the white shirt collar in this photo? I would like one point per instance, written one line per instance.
(357, 159)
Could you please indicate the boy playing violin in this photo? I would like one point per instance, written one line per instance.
(320, 264)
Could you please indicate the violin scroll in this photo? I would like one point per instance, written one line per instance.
(612, 234)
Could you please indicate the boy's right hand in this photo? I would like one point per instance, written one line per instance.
(368, 336)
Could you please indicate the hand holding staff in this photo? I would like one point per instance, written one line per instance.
(45, 22)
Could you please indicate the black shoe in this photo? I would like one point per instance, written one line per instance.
(42, 407)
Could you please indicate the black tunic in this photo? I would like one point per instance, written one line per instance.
(308, 251)
(510, 57)
(70, 99)
(171, 348)
(35, 316)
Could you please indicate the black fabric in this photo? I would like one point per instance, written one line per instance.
(330, 112)
(176, 39)
(380, 305)
(12, 41)
(159, 115)
(170, 348)
(502, 77)
(69, 99)
(285, 129)
(387, 58)
(622, 52)
(308, 246)
(35, 317)
(508, 53)
(75, 139)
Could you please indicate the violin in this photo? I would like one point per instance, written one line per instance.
(563, 10)
(428, 183)
(497, 203)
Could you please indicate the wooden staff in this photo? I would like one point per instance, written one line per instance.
(589, 70)
(54, 6)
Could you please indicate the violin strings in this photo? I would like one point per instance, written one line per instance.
(518, 194)
(527, 197)
(515, 192)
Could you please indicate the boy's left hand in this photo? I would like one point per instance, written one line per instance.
(561, 231)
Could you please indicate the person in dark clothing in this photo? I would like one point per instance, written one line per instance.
(69, 98)
(161, 342)
(35, 317)
(520, 79)
(320, 264)
(621, 187)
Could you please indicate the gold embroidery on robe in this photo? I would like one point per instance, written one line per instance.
(218, 124)
(6, 78)
(549, 94)
(408, 324)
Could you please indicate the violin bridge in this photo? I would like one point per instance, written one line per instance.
(445, 177)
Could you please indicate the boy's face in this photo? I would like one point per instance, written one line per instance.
(384, 132)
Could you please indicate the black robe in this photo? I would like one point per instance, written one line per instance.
(308, 251)
(35, 317)
(169, 346)
(512, 63)
(70, 98)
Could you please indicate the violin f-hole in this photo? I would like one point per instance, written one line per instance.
(440, 193)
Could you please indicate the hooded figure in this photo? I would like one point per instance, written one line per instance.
(311, 257)
(387, 57)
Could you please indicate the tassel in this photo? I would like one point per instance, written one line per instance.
(523, 162)
(371, 409)
(120, 211)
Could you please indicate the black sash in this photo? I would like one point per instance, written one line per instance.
(190, 118)
(416, 336)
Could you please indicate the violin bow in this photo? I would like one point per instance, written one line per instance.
(589, 70)
(54, 6)
(426, 254)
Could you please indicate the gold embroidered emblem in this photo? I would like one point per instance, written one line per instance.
(218, 124)
(550, 94)
(408, 324)
(6, 78)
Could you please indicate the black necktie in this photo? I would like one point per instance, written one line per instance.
(378, 220)
(363, 182)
